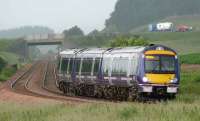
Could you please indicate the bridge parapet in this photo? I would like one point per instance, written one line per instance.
(45, 39)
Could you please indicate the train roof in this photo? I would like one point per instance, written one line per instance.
(98, 52)
(135, 49)
(69, 52)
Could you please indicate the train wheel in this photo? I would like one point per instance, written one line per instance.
(61, 86)
(99, 92)
(91, 91)
(124, 94)
(110, 92)
(81, 89)
(65, 89)
(134, 93)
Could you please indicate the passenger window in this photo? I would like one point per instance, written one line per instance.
(106, 66)
(78, 63)
(120, 66)
(71, 65)
(87, 66)
(133, 66)
(96, 66)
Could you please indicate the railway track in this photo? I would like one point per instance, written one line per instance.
(39, 81)
(19, 85)
(50, 84)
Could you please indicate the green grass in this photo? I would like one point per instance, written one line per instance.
(186, 107)
(4, 44)
(165, 111)
(183, 43)
(6, 73)
(10, 58)
(189, 87)
(190, 58)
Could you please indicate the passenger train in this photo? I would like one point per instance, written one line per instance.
(127, 73)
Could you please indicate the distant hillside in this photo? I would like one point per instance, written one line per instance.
(130, 14)
(24, 31)
(190, 20)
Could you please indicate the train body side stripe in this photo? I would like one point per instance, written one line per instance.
(159, 52)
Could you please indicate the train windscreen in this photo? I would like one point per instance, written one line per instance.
(160, 64)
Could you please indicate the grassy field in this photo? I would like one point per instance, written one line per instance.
(183, 42)
(193, 58)
(8, 71)
(10, 58)
(186, 107)
(172, 111)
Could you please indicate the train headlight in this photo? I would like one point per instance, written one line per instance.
(175, 80)
(145, 79)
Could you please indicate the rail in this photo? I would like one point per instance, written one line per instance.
(23, 74)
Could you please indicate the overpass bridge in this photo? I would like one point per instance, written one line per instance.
(43, 39)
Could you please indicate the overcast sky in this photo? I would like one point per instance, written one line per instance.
(56, 14)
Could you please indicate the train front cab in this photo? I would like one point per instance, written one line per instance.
(159, 72)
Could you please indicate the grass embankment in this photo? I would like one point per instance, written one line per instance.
(10, 58)
(190, 58)
(7, 60)
(9, 69)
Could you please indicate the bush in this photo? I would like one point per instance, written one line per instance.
(123, 41)
(2, 63)
(7, 73)
(3, 78)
